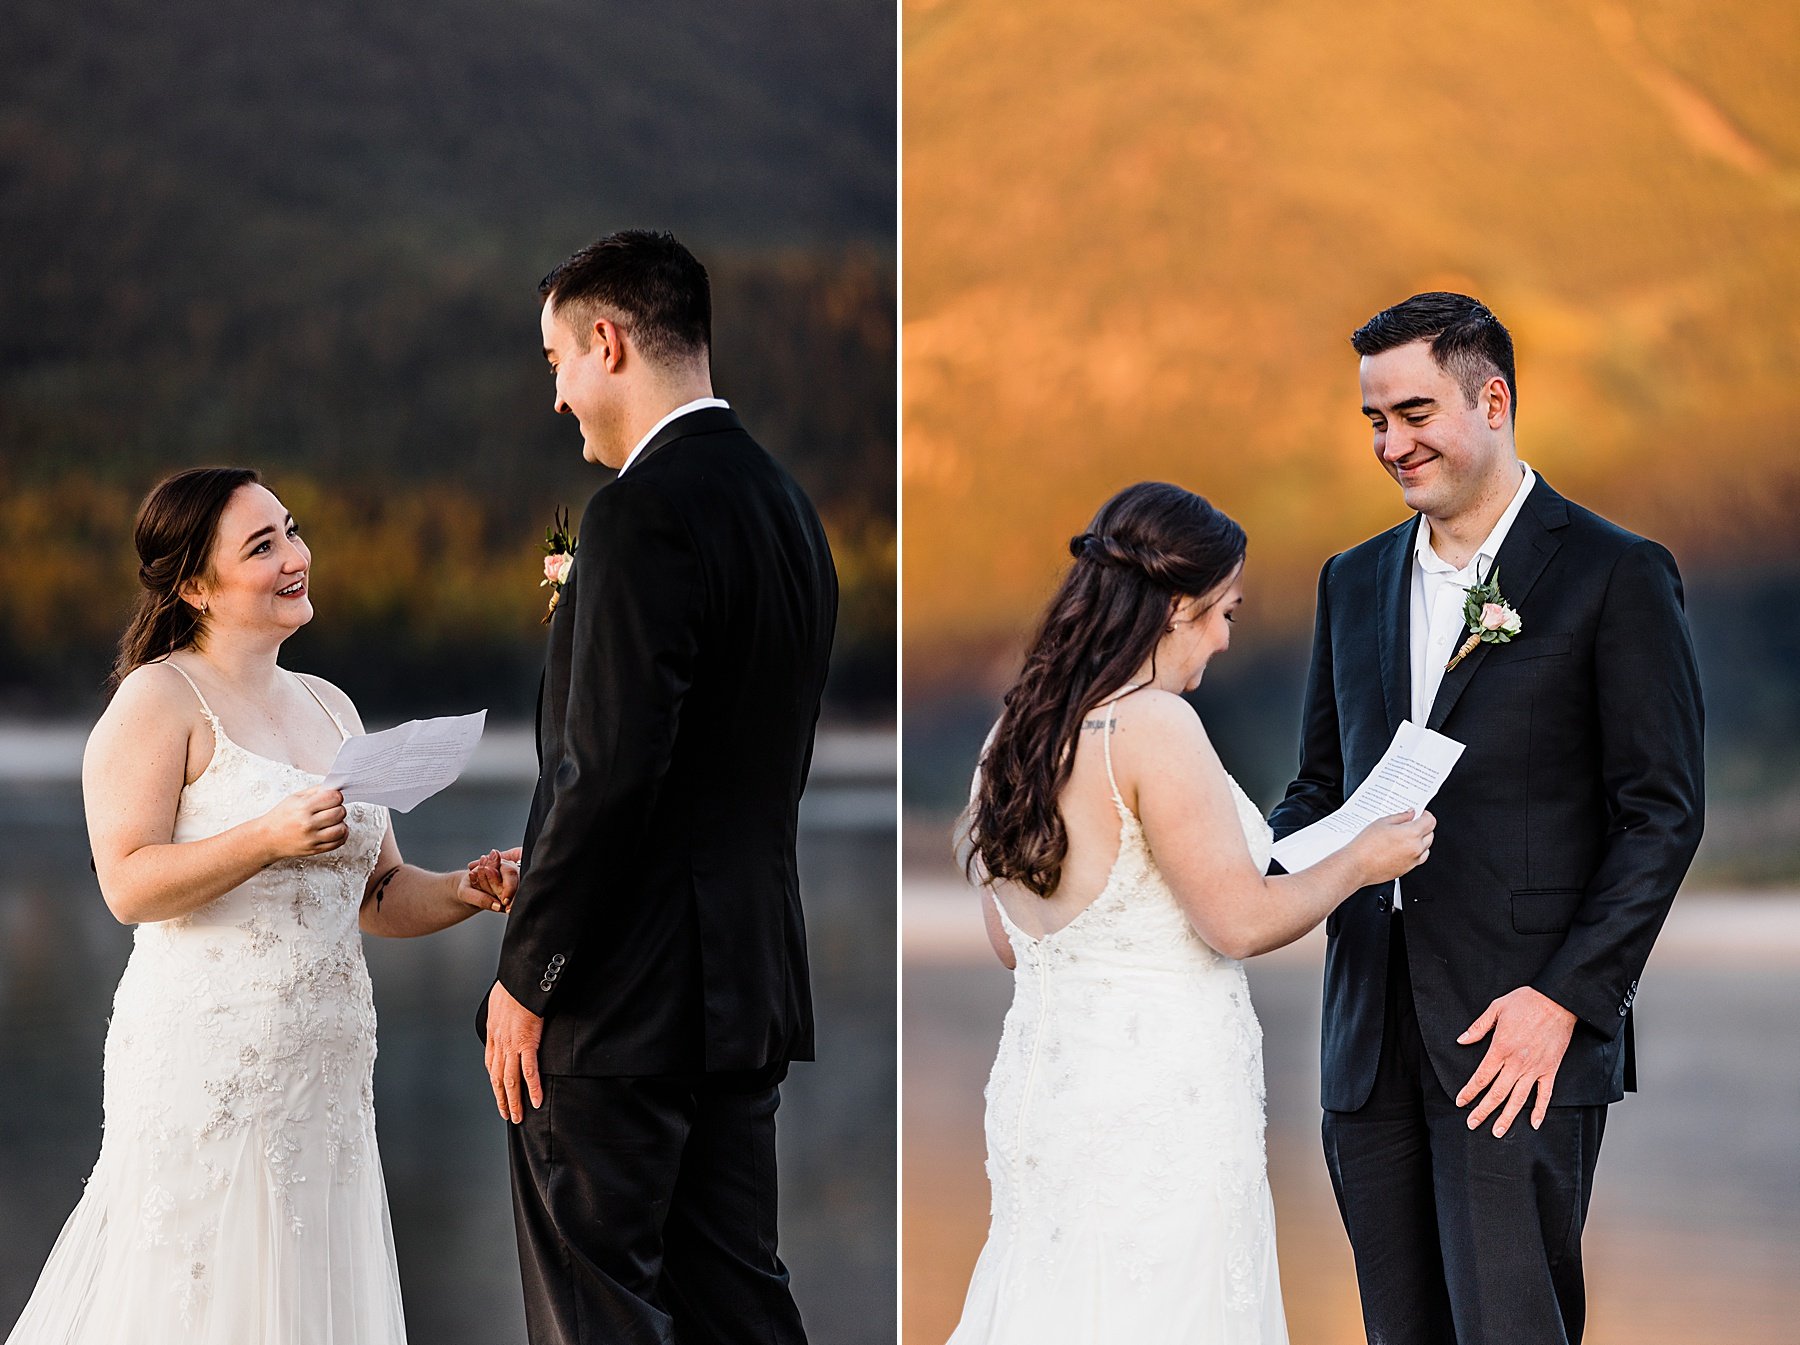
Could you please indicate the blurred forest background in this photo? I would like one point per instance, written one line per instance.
(307, 239)
(1136, 249)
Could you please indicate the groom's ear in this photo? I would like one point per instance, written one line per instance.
(1496, 402)
(608, 335)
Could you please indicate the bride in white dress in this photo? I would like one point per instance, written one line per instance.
(1123, 872)
(237, 1198)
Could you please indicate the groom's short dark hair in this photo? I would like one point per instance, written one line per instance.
(1468, 342)
(645, 281)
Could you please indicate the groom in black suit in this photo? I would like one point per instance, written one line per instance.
(1477, 1015)
(653, 981)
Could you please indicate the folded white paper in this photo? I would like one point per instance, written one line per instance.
(1406, 778)
(405, 765)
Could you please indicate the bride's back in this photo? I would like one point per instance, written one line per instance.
(1093, 824)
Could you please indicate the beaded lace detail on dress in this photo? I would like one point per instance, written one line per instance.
(238, 1193)
(1125, 1127)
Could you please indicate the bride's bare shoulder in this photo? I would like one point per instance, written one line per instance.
(1152, 711)
(153, 692)
(153, 717)
(1153, 727)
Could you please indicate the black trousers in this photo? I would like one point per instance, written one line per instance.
(645, 1211)
(1459, 1238)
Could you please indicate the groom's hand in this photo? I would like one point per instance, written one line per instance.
(513, 1034)
(1531, 1033)
(492, 880)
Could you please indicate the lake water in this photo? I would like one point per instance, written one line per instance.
(442, 1145)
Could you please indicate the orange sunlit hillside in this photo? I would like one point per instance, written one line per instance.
(1138, 236)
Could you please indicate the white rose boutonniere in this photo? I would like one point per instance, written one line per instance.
(1490, 618)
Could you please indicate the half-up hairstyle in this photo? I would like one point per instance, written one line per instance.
(1149, 546)
(176, 525)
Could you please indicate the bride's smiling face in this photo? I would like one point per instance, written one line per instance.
(259, 575)
(1202, 628)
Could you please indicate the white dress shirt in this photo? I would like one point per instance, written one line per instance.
(697, 404)
(1438, 593)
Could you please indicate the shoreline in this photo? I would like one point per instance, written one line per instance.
(33, 753)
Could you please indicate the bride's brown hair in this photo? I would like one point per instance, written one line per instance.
(176, 525)
(1151, 545)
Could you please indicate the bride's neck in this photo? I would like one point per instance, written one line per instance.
(1148, 676)
(244, 663)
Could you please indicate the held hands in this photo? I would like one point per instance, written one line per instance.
(491, 881)
(1531, 1033)
(513, 1034)
(1392, 846)
(308, 823)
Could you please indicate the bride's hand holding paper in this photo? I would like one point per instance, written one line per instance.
(1391, 847)
(1407, 777)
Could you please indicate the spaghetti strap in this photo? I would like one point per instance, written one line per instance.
(205, 709)
(342, 731)
(1106, 744)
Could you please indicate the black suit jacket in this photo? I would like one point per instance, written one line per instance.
(1565, 829)
(657, 926)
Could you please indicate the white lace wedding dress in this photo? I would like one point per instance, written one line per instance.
(1125, 1131)
(238, 1197)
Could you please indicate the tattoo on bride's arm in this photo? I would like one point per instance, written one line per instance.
(1095, 725)
(381, 884)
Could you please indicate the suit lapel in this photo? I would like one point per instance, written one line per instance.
(1523, 556)
(1393, 605)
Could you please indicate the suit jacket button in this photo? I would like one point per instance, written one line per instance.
(556, 959)
(545, 986)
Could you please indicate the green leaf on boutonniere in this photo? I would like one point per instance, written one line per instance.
(1487, 616)
(558, 540)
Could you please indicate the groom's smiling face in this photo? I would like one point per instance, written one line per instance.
(584, 383)
(1443, 452)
